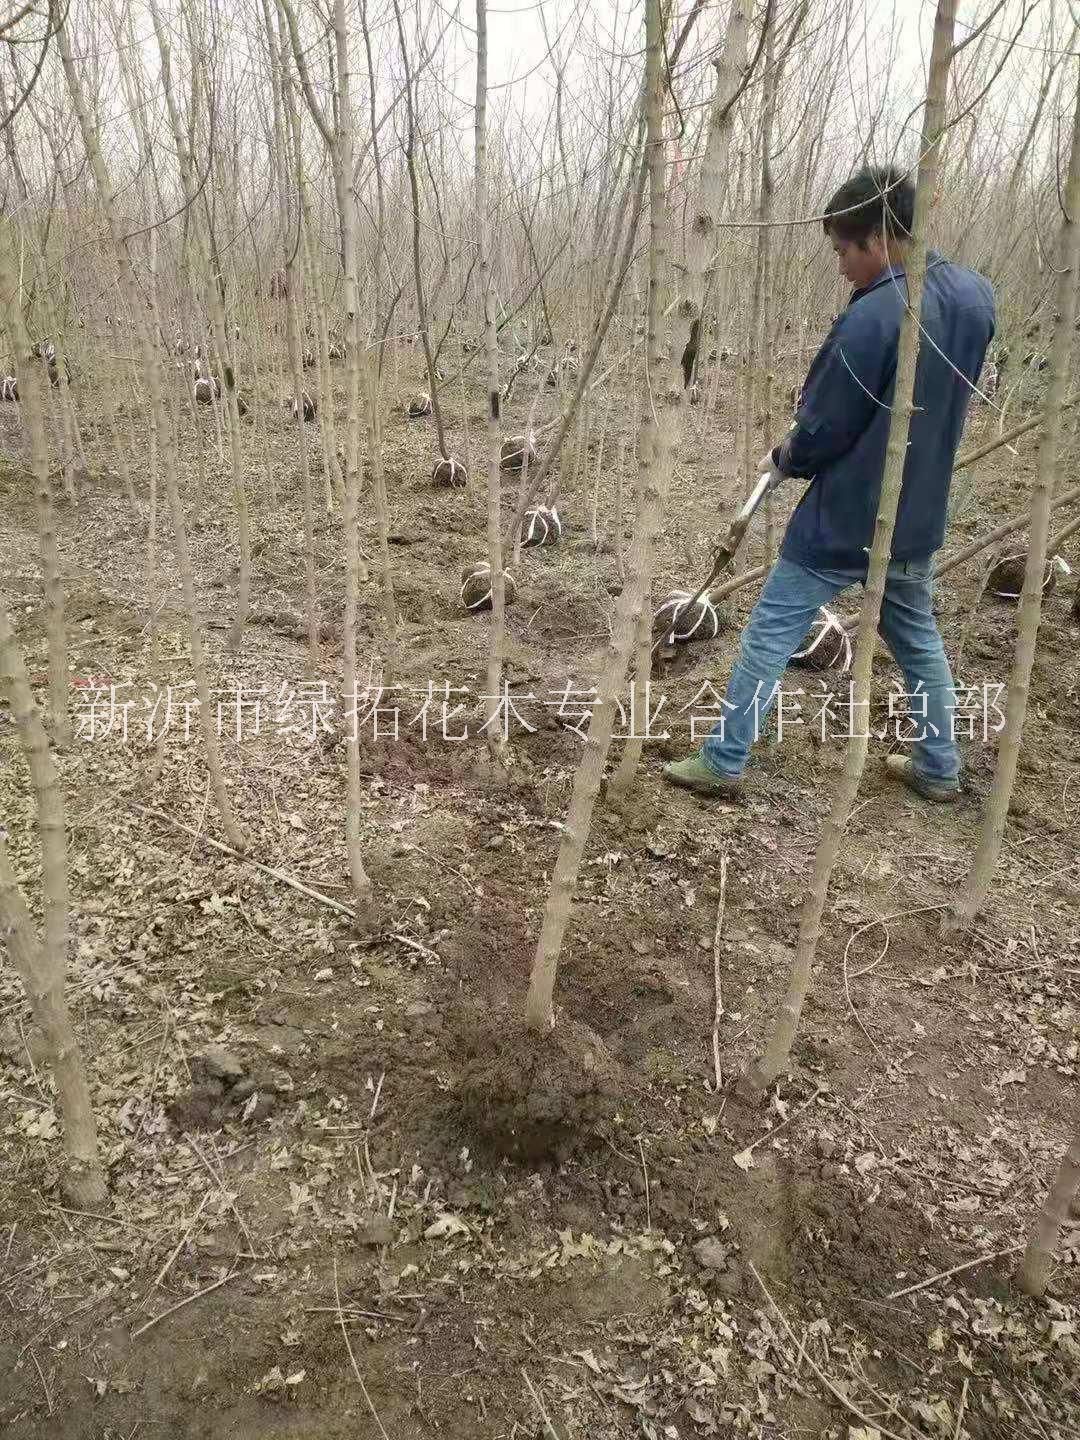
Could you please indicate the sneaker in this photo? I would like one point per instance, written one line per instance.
(694, 774)
(901, 767)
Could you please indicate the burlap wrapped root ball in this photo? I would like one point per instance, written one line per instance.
(517, 451)
(308, 406)
(827, 645)
(541, 526)
(418, 406)
(678, 621)
(564, 371)
(476, 586)
(450, 474)
(1006, 580)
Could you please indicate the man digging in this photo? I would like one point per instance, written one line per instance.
(838, 443)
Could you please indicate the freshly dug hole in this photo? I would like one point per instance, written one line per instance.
(531, 1095)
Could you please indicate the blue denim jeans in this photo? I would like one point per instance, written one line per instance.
(786, 609)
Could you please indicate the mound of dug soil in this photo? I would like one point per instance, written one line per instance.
(532, 1096)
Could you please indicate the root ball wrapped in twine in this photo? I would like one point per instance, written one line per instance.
(1007, 577)
(450, 474)
(476, 591)
(678, 621)
(827, 645)
(516, 449)
(541, 526)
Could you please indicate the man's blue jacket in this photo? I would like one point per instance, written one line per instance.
(842, 423)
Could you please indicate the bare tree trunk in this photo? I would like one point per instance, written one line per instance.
(751, 357)
(219, 325)
(32, 403)
(619, 266)
(375, 369)
(763, 269)
(373, 362)
(1034, 1269)
(343, 165)
(423, 319)
(658, 436)
(778, 1049)
(700, 274)
(293, 340)
(165, 438)
(42, 967)
(493, 430)
(327, 425)
(290, 140)
(977, 885)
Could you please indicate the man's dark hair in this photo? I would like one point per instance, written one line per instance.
(878, 200)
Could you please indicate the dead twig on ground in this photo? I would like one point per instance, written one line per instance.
(830, 1385)
(193, 1143)
(179, 1244)
(783, 1123)
(44, 1386)
(352, 1357)
(718, 1010)
(648, 1197)
(187, 1300)
(956, 1270)
(550, 1433)
(282, 875)
(358, 1314)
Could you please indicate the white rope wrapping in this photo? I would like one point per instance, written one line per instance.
(450, 473)
(1055, 561)
(474, 573)
(705, 615)
(514, 451)
(828, 623)
(544, 527)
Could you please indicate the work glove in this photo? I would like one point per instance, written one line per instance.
(767, 466)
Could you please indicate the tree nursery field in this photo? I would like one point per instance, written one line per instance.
(387, 1049)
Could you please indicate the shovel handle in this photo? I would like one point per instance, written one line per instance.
(754, 499)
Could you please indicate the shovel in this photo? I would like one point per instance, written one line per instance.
(724, 553)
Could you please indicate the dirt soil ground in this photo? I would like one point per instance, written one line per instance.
(310, 1233)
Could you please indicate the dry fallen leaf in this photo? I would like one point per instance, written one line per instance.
(445, 1224)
